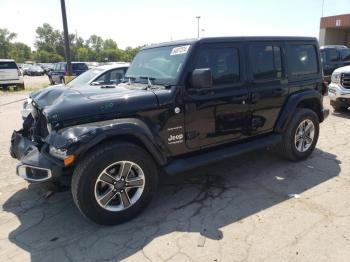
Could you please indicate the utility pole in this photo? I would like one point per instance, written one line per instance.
(66, 38)
(198, 17)
(322, 7)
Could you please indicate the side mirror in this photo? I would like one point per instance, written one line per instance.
(202, 78)
(95, 83)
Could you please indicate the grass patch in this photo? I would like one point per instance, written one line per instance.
(28, 89)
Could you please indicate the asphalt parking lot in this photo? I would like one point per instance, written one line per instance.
(256, 207)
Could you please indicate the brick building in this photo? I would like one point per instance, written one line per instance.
(335, 30)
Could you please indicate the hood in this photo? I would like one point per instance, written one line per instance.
(344, 69)
(64, 103)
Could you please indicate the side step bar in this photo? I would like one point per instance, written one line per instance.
(192, 162)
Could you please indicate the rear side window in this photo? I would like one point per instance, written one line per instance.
(79, 66)
(223, 62)
(302, 60)
(345, 54)
(332, 55)
(267, 62)
(8, 65)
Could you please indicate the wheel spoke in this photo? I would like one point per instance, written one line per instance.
(308, 140)
(124, 199)
(106, 178)
(136, 182)
(125, 170)
(300, 145)
(309, 128)
(107, 197)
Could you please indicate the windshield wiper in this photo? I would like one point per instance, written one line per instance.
(128, 79)
(149, 83)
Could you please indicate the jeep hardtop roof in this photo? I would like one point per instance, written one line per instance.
(231, 39)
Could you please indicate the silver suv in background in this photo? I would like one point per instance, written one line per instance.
(10, 75)
(339, 89)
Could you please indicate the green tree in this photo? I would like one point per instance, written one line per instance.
(47, 57)
(95, 42)
(5, 42)
(49, 40)
(20, 52)
(110, 44)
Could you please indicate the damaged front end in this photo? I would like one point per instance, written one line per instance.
(44, 154)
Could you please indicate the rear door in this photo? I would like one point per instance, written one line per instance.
(269, 84)
(8, 70)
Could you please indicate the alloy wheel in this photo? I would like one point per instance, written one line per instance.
(119, 186)
(304, 135)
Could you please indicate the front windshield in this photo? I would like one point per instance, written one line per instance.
(160, 63)
(85, 77)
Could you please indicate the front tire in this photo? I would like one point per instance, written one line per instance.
(300, 138)
(114, 183)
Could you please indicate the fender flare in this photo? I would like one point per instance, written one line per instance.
(81, 138)
(291, 105)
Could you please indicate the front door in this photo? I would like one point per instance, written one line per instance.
(218, 114)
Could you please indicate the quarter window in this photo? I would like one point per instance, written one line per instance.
(267, 62)
(223, 62)
(302, 60)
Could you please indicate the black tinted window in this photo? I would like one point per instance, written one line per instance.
(79, 66)
(332, 55)
(267, 62)
(8, 65)
(112, 77)
(302, 60)
(223, 62)
(345, 54)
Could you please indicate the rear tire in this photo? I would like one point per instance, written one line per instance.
(90, 185)
(20, 87)
(300, 138)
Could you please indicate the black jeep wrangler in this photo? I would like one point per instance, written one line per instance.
(182, 105)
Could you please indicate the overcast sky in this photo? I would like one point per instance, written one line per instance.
(136, 22)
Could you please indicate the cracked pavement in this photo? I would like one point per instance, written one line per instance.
(255, 207)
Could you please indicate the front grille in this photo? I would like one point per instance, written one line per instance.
(40, 126)
(345, 80)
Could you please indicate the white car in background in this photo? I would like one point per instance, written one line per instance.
(339, 89)
(10, 74)
(98, 76)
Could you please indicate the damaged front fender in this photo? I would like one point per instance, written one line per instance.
(79, 139)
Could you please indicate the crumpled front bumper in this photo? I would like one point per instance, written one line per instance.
(36, 165)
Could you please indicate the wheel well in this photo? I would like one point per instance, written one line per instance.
(313, 104)
(124, 138)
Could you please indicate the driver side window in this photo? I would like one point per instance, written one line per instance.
(223, 62)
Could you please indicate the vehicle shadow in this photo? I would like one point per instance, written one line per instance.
(202, 202)
(343, 114)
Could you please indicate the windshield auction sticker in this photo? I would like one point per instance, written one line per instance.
(179, 50)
